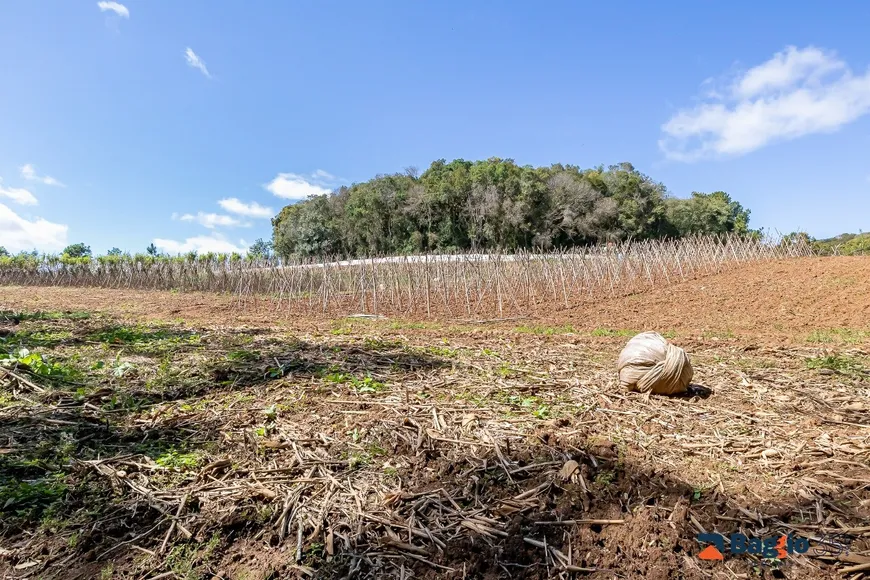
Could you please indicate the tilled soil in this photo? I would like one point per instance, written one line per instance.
(782, 301)
(207, 444)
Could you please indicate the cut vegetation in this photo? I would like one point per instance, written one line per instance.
(237, 445)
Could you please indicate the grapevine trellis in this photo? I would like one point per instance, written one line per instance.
(491, 283)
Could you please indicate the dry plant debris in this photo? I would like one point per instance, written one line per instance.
(134, 450)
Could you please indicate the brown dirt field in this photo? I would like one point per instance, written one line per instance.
(785, 300)
(782, 300)
(441, 449)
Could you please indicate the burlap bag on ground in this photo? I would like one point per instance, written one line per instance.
(650, 364)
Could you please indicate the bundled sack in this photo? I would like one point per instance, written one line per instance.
(650, 364)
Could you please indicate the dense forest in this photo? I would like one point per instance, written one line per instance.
(478, 205)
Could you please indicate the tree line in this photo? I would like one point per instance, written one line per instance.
(480, 205)
(81, 253)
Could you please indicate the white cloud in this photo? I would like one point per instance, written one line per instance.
(253, 209)
(17, 233)
(28, 171)
(210, 220)
(212, 243)
(298, 187)
(17, 195)
(324, 175)
(797, 92)
(196, 62)
(115, 7)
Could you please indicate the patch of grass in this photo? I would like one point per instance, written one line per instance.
(375, 450)
(545, 330)
(240, 339)
(44, 338)
(382, 344)
(839, 335)
(839, 363)
(605, 478)
(182, 461)
(610, 332)
(358, 460)
(532, 404)
(360, 385)
(243, 356)
(31, 499)
(366, 385)
(43, 315)
(441, 351)
(190, 561)
(145, 339)
(400, 325)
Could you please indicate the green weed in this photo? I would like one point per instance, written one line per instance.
(360, 386)
(190, 561)
(37, 364)
(441, 351)
(545, 330)
(144, 338)
(43, 315)
(838, 335)
(243, 356)
(399, 325)
(44, 338)
(382, 344)
(839, 363)
(181, 461)
(611, 332)
(31, 499)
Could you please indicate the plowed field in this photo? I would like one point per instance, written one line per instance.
(164, 435)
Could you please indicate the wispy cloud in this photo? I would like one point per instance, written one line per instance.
(196, 62)
(115, 7)
(210, 220)
(211, 243)
(252, 210)
(18, 233)
(798, 92)
(28, 172)
(298, 187)
(17, 194)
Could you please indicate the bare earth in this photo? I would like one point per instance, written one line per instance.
(197, 440)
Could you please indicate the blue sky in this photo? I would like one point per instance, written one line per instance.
(191, 123)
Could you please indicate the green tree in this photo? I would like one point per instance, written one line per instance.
(496, 203)
(114, 252)
(639, 199)
(79, 250)
(4, 253)
(307, 228)
(151, 250)
(707, 213)
(260, 249)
